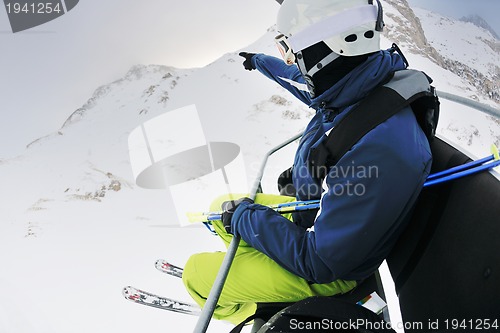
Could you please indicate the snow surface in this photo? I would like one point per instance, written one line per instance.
(458, 40)
(75, 228)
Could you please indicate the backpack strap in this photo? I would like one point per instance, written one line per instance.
(405, 88)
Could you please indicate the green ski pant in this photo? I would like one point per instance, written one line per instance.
(253, 277)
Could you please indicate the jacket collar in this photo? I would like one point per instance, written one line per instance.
(360, 81)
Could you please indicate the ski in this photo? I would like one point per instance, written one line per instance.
(143, 297)
(166, 267)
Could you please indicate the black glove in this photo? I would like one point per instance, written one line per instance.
(228, 208)
(248, 60)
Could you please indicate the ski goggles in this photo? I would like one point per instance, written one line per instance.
(285, 49)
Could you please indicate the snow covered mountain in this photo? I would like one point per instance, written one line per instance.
(463, 48)
(480, 22)
(75, 228)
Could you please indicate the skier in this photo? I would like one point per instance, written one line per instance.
(331, 61)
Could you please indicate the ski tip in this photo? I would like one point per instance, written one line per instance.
(160, 263)
(146, 298)
(132, 294)
(128, 291)
(168, 268)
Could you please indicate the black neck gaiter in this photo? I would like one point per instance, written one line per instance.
(334, 71)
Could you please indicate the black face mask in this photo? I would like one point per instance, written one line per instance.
(331, 73)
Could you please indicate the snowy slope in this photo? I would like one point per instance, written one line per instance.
(75, 228)
(471, 53)
(461, 41)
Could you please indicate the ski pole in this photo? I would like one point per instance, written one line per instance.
(466, 168)
(494, 156)
(463, 173)
(313, 204)
(433, 179)
(210, 216)
(460, 168)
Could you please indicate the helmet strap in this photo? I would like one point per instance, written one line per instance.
(379, 25)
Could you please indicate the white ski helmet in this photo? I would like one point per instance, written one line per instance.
(347, 27)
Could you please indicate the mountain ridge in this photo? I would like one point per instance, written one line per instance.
(480, 22)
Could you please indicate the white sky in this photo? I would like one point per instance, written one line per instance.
(49, 71)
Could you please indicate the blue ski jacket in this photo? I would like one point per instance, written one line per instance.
(366, 197)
